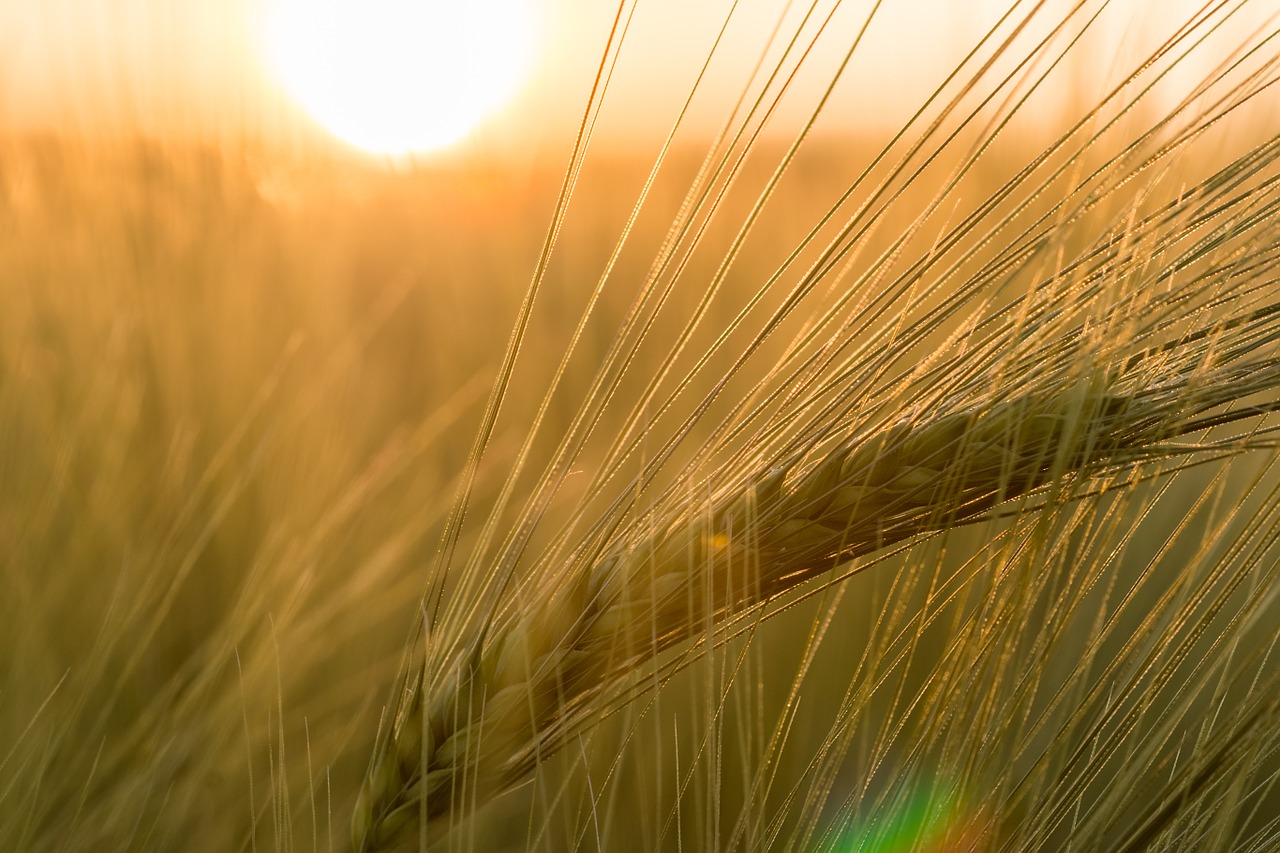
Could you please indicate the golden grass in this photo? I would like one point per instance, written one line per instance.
(486, 722)
(913, 493)
(507, 677)
(1096, 369)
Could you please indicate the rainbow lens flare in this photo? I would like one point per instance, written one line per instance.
(926, 820)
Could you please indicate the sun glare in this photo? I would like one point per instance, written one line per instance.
(400, 76)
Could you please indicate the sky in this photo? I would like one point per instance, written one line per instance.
(197, 67)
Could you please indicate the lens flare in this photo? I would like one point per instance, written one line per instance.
(927, 820)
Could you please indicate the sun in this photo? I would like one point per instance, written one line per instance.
(400, 76)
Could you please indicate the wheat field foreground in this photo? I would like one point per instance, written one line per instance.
(783, 487)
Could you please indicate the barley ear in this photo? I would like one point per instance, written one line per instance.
(472, 729)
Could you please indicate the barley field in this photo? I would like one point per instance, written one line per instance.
(789, 484)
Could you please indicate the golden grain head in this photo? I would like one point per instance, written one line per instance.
(790, 524)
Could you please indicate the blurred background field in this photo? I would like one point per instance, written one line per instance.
(238, 381)
(235, 398)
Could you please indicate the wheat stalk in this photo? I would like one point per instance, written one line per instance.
(480, 728)
(511, 676)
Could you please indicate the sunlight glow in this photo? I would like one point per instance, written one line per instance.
(398, 76)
